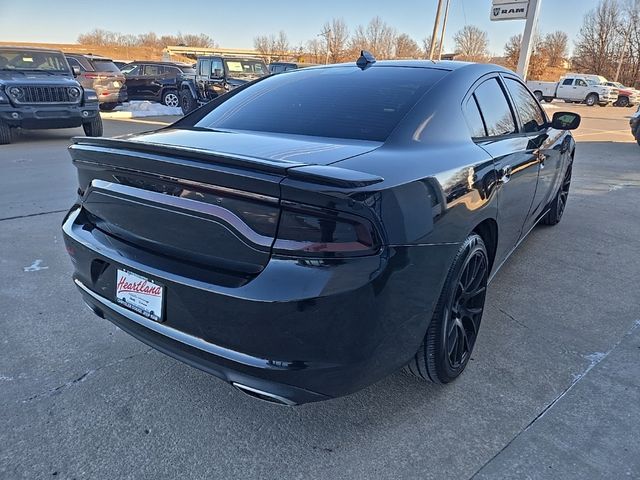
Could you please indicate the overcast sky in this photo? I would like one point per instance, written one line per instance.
(234, 24)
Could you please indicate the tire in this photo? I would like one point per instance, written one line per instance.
(443, 356)
(538, 95)
(623, 102)
(5, 133)
(548, 99)
(559, 202)
(93, 128)
(636, 135)
(107, 107)
(170, 98)
(591, 99)
(187, 102)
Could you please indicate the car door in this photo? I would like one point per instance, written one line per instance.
(151, 85)
(515, 163)
(545, 144)
(566, 89)
(581, 89)
(134, 80)
(202, 77)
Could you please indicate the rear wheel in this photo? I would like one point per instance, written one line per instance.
(623, 102)
(93, 128)
(538, 95)
(591, 99)
(558, 204)
(170, 99)
(5, 133)
(107, 107)
(548, 99)
(187, 102)
(451, 336)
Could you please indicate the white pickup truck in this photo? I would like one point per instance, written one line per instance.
(575, 88)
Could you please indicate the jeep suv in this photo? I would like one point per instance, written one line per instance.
(155, 81)
(215, 76)
(38, 90)
(101, 75)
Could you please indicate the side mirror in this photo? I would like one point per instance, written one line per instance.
(75, 70)
(565, 121)
(217, 73)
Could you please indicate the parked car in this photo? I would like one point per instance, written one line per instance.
(38, 90)
(217, 75)
(627, 97)
(310, 233)
(155, 81)
(101, 75)
(578, 89)
(634, 123)
(279, 67)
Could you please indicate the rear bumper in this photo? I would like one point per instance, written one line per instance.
(48, 116)
(112, 96)
(301, 330)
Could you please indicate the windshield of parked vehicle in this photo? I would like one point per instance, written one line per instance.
(338, 102)
(592, 82)
(32, 61)
(253, 68)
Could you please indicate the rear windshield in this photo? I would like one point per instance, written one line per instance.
(105, 66)
(338, 102)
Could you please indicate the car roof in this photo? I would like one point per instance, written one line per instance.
(160, 62)
(89, 56)
(29, 49)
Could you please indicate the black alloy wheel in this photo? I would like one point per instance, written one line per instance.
(559, 203)
(453, 331)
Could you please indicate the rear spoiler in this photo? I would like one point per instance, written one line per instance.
(319, 174)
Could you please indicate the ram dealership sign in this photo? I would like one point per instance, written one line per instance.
(508, 10)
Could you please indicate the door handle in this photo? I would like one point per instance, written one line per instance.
(504, 174)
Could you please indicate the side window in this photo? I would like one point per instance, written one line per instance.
(153, 70)
(498, 118)
(75, 63)
(581, 83)
(531, 116)
(172, 71)
(204, 68)
(217, 65)
(567, 81)
(473, 118)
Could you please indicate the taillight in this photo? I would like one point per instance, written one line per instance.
(310, 232)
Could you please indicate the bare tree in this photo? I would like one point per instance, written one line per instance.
(316, 49)
(377, 37)
(149, 39)
(599, 40)
(336, 35)
(406, 47)
(538, 61)
(272, 48)
(472, 44)
(556, 47)
(426, 46)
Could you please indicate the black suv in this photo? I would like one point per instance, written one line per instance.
(38, 90)
(156, 81)
(216, 75)
(103, 76)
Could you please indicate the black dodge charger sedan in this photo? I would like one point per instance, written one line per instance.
(309, 233)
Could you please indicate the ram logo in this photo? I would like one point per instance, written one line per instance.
(496, 11)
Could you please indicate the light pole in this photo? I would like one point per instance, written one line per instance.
(527, 38)
(444, 28)
(432, 50)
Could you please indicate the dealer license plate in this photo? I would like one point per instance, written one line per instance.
(140, 294)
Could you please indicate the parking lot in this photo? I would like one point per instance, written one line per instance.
(552, 391)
